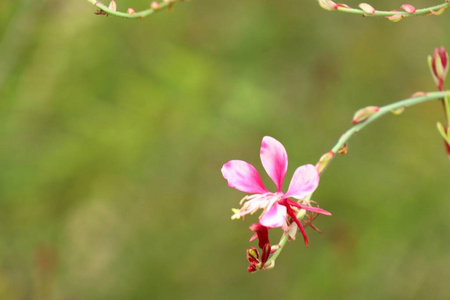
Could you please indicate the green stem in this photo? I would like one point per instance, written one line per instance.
(136, 15)
(301, 214)
(356, 128)
(447, 108)
(384, 110)
(380, 13)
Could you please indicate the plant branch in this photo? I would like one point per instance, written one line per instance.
(355, 129)
(393, 15)
(134, 15)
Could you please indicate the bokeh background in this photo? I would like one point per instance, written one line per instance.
(113, 133)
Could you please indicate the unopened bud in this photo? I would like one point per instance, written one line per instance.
(130, 11)
(155, 5)
(324, 160)
(252, 255)
(328, 4)
(112, 5)
(367, 8)
(408, 8)
(252, 268)
(265, 253)
(439, 65)
(396, 17)
(364, 113)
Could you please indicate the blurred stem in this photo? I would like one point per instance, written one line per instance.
(355, 129)
(380, 13)
(136, 15)
(387, 109)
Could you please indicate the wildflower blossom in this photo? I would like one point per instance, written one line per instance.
(276, 206)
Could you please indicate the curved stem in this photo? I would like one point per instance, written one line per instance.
(379, 13)
(301, 214)
(356, 128)
(136, 15)
(384, 110)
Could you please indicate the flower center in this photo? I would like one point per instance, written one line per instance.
(252, 203)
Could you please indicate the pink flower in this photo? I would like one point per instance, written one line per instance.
(276, 206)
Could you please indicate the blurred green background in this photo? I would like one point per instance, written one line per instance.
(113, 133)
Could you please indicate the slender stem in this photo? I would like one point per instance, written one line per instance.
(136, 15)
(356, 128)
(380, 13)
(447, 108)
(384, 110)
(301, 214)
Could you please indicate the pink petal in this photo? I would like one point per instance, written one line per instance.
(274, 217)
(310, 208)
(291, 213)
(243, 176)
(274, 159)
(316, 210)
(304, 182)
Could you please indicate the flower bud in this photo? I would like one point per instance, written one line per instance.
(408, 8)
(328, 4)
(364, 113)
(252, 268)
(324, 160)
(130, 11)
(112, 5)
(265, 253)
(367, 8)
(155, 5)
(396, 17)
(253, 256)
(439, 65)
